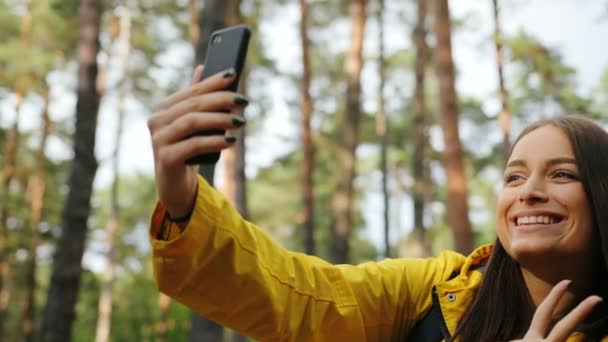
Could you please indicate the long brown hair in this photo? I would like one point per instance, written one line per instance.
(502, 308)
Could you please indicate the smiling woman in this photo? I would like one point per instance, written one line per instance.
(543, 279)
(552, 222)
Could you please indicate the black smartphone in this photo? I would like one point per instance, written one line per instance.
(227, 49)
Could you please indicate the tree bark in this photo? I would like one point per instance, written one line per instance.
(104, 315)
(306, 106)
(420, 165)
(35, 193)
(212, 17)
(235, 183)
(162, 327)
(457, 201)
(504, 117)
(8, 173)
(382, 131)
(343, 200)
(65, 280)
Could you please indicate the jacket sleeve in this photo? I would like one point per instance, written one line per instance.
(230, 271)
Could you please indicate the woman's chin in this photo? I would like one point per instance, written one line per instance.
(522, 249)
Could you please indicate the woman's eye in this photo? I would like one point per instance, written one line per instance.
(512, 178)
(564, 174)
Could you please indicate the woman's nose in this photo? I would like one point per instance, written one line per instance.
(533, 191)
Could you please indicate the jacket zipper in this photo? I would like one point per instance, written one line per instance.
(436, 306)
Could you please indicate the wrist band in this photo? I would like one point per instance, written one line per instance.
(180, 219)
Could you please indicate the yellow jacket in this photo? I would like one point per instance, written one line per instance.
(230, 271)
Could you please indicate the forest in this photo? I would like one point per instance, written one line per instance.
(364, 140)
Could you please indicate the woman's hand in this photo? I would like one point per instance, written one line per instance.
(539, 328)
(178, 117)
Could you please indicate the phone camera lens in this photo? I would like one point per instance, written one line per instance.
(216, 39)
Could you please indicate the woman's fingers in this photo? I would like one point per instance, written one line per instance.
(175, 155)
(542, 320)
(196, 75)
(216, 82)
(213, 102)
(187, 125)
(544, 312)
(566, 325)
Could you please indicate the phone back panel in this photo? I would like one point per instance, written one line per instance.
(227, 49)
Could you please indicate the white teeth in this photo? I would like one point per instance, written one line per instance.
(535, 219)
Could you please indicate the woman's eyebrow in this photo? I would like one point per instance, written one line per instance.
(550, 162)
(561, 160)
(516, 162)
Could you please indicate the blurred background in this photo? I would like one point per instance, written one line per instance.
(376, 128)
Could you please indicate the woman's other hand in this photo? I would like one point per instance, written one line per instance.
(175, 120)
(540, 328)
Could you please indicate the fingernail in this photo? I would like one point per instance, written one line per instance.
(239, 100)
(229, 73)
(230, 139)
(238, 121)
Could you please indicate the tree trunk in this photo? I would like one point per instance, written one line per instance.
(8, 173)
(235, 184)
(505, 113)
(35, 193)
(212, 17)
(457, 201)
(343, 200)
(65, 279)
(382, 130)
(104, 315)
(420, 163)
(162, 327)
(308, 159)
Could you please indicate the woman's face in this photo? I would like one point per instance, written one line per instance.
(542, 208)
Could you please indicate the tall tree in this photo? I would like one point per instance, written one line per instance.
(504, 117)
(457, 198)
(104, 317)
(210, 18)
(343, 200)
(306, 107)
(420, 158)
(63, 291)
(234, 186)
(35, 192)
(162, 326)
(382, 130)
(234, 181)
(8, 172)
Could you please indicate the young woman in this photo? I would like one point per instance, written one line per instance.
(543, 279)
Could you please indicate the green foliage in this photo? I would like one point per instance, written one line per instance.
(544, 85)
(67, 8)
(26, 58)
(9, 23)
(279, 187)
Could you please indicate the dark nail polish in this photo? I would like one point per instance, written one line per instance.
(239, 100)
(230, 139)
(229, 73)
(238, 121)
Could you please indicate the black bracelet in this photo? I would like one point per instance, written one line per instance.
(180, 219)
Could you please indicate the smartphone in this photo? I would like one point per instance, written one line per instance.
(227, 49)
